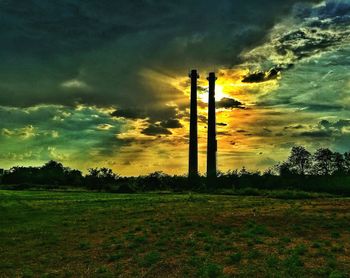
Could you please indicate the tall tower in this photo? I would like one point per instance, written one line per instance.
(193, 151)
(212, 143)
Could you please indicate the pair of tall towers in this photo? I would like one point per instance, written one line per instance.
(211, 140)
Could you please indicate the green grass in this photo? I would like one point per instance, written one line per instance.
(80, 234)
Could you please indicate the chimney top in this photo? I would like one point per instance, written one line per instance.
(212, 76)
(193, 73)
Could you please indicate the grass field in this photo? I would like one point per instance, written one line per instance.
(54, 234)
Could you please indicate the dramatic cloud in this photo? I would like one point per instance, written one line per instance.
(76, 135)
(95, 53)
(316, 134)
(294, 127)
(229, 103)
(162, 113)
(338, 125)
(155, 130)
(129, 114)
(312, 31)
(171, 123)
(221, 124)
(335, 132)
(105, 82)
(261, 76)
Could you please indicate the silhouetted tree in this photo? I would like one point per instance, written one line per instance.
(154, 181)
(299, 160)
(295, 173)
(18, 175)
(100, 178)
(284, 169)
(73, 177)
(52, 172)
(346, 157)
(323, 162)
(338, 164)
(244, 172)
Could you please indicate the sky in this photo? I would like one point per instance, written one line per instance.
(105, 83)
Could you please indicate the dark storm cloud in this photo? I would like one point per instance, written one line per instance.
(316, 134)
(321, 107)
(326, 124)
(326, 129)
(241, 131)
(332, 9)
(94, 52)
(322, 30)
(299, 126)
(316, 30)
(338, 125)
(304, 106)
(171, 123)
(155, 130)
(229, 103)
(152, 115)
(314, 86)
(263, 76)
(75, 25)
(260, 76)
(221, 124)
(341, 124)
(307, 42)
(129, 114)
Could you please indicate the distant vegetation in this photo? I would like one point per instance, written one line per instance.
(324, 171)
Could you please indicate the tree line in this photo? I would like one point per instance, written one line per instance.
(322, 171)
(323, 162)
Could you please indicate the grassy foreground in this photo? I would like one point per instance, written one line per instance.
(53, 234)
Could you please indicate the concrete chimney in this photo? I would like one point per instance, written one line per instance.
(193, 149)
(212, 143)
